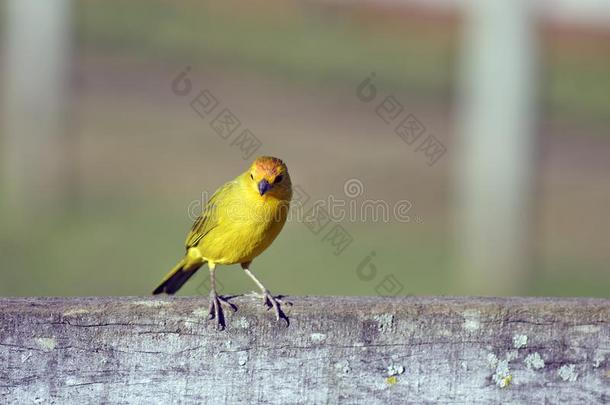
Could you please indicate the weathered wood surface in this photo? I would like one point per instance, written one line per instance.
(336, 350)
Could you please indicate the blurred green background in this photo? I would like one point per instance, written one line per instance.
(136, 155)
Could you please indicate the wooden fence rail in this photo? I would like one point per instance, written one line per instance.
(336, 350)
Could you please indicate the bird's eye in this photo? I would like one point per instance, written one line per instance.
(278, 179)
(251, 176)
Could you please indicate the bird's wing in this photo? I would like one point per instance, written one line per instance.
(209, 217)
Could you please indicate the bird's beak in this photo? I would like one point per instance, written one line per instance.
(263, 186)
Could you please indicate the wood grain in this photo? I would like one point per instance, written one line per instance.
(336, 350)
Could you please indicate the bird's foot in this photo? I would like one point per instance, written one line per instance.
(279, 298)
(216, 312)
(274, 302)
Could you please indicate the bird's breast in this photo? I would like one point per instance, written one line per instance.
(245, 230)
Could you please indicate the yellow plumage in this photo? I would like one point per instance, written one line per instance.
(239, 226)
(240, 221)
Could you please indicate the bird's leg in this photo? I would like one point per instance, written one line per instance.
(216, 301)
(268, 299)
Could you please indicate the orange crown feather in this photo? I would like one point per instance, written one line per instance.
(269, 165)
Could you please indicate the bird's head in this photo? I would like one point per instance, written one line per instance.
(269, 176)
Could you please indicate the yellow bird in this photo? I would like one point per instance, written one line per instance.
(237, 224)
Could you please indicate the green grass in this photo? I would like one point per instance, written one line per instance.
(580, 87)
(298, 48)
(123, 247)
(316, 45)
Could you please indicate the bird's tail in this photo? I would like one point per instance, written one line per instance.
(177, 277)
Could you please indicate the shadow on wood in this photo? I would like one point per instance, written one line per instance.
(337, 350)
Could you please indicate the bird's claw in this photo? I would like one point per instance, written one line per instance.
(216, 311)
(275, 302)
(279, 298)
